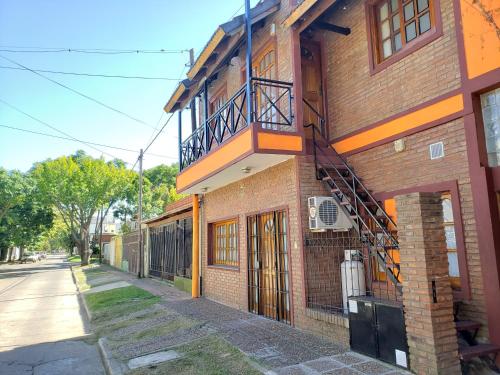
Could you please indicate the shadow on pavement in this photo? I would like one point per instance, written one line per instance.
(56, 358)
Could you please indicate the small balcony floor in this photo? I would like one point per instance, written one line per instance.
(248, 152)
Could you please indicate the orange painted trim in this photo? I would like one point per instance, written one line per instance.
(298, 12)
(270, 141)
(402, 124)
(175, 96)
(223, 155)
(481, 42)
(206, 53)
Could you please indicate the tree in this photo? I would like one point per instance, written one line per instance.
(23, 216)
(77, 186)
(162, 174)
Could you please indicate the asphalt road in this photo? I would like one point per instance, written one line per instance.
(41, 321)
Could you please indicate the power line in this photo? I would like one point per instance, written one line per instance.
(159, 132)
(90, 74)
(78, 93)
(100, 51)
(54, 128)
(86, 142)
(236, 12)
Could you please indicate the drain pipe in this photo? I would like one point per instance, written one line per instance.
(195, 282)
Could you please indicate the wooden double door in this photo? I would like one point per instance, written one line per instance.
(268, 284)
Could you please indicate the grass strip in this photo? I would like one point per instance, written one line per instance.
(208, 356)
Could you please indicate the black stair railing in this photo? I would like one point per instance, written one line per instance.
(369, 218)
(271, 107)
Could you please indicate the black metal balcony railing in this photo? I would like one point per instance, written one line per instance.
(271, 107)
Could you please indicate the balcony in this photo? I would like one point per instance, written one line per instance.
(226, 144)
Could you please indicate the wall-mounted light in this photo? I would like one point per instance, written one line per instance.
(246, 169)
(399, 145)
(204, 189)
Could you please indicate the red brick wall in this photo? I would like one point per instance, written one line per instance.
(269, 189)
(264, 191)
(383, 170)
(356, 98)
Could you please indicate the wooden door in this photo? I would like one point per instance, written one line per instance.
(312, 82)
(268, 270)
(268, 265)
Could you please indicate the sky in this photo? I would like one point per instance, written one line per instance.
(96, 24)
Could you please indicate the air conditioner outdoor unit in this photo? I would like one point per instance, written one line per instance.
(325, 213)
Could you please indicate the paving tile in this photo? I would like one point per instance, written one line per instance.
(292, 370)
(349, 358)
(102, 288)
(343, 371)
(372, 368)
(153, 359)
(323, 364)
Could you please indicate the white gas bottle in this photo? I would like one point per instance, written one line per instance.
(352, 272)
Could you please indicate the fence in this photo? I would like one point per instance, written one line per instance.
(170, 247)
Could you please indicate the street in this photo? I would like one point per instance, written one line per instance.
(41, 324)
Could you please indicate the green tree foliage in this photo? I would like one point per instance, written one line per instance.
(79, 185)
(158, 191)
(23, 216)
(56, 238)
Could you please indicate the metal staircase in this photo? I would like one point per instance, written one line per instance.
(376, 229)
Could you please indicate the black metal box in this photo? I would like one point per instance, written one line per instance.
(377, 329)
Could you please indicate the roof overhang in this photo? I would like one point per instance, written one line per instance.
(299, 12)
(307, 12)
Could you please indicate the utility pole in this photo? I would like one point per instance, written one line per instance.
(139, 217)
(248, 25)
(100, 237)
(193, 101)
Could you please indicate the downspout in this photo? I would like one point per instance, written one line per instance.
(195, 283)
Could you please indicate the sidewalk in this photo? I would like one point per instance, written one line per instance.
(270, 346)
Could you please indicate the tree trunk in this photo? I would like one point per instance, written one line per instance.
(84, 247)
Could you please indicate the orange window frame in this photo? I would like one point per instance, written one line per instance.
(224, 246)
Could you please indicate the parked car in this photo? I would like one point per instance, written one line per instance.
(29, 257)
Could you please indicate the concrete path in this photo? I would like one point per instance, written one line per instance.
(41, 321)
(278, 347)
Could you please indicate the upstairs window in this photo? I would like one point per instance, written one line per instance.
(399, 27)
(400, 22)
(490, 105)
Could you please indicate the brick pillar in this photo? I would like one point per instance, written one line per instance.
(427, 294)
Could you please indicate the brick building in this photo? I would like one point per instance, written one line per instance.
(377, 106)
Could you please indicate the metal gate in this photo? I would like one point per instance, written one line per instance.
(170, 250)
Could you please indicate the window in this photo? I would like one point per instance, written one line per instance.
(218, 101)
(224, 249)
(399, 22)
(397, 28)
(451, 242)
(264, 66)
(490, 105)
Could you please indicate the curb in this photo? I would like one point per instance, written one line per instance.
(111, 366)
(81, 298)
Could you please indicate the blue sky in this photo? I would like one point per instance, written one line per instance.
(110, 24)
